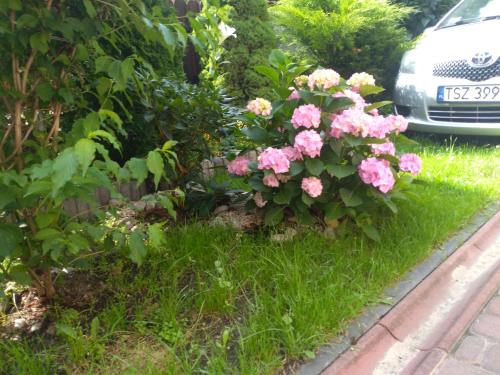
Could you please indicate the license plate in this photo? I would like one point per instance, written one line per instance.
(478, 93)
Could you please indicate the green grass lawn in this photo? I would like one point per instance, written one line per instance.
(220, 302)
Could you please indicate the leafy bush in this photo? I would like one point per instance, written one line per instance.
(48, 47)
(255, 39)
(427, 13)
(328, 155)
(350, 35)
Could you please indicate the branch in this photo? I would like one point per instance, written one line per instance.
(26, 71)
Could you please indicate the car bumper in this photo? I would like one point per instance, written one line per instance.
(415, 98)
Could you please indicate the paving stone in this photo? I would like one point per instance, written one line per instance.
(494, 306)
(487, 325)
(453, 367)
(470, 349)
(491, 359)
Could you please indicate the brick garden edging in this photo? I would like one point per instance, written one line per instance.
(330, 352)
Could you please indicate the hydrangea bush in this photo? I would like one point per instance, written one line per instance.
(325, 153)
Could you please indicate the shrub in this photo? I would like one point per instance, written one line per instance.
(255, 40)
(350, 35)
(328, 155)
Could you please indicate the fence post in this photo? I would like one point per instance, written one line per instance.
(192, 65)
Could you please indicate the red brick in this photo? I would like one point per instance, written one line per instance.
(491, 359)
(453, 367)
(487, 325)
(470, 349)
(494, 306)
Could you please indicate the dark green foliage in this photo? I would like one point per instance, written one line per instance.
(255, 39)
(346, 35)
(427, 13)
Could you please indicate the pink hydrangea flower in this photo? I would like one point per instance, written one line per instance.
(383, 148)
(379, 127)
(239, 166)
(260, 107)
(275, 159)
(397, 123)
(323, 79)
(361, 79)
(292, 153)
(359, 102)
(308, 116)
(377, 172)
(271, 180)
(350, 121)
(259, 201)
(410, 163)
(309, 143)
(294, 95)
(312, 186)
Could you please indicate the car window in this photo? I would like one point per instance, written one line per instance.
(470, 11)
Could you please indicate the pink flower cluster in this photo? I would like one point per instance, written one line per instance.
(294, 95)
(308, 116)
(309, 143)
(359, 102)
(271, 180)
(323, 79)
(239, 166)
(410, 163)
(259, 106)
(312, 186)
(274, 159)
(377, 172)
(292, 153)
(350, 121)
(259, 201)
(397, 123)
(387, 148)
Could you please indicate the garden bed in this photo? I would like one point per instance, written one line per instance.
(220, 301)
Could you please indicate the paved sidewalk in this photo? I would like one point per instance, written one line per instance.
(448, 325)
(478, 351)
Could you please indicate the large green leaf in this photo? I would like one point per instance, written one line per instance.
(137, 248)
(314, 166)
(350, 198)
(138, 169)
(10, 237)
(90, 9)
(64, 168)
(85, 153)
(45, 91)
(256, 134)
(274, 215)
(341, 171)
(156, 235)
(40, 42)
(296, 168)
(284, 196)
(156, 166)
(371, 232)
(7, 196)
(269, 72)
(333, 211)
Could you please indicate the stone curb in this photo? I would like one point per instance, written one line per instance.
(330, 352)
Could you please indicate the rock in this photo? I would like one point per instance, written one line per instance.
(139, 205)
(36, 327)
(288, 235)
(20, 323)
(221, 209)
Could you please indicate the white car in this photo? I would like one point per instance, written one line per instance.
(450, 82)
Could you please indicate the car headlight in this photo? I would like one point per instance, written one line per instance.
(409, 63)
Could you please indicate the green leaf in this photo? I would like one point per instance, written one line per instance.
(106, 113)
(156, 166)
(314, 166)
(45, 219)
(283, 197)
(82, 53)
(307, 200)
(268, 72)
(338, 104)
(405, 140)
(15, 4)
(349, 198)
(167, 204)
(7, 196)
(94, 327)
(45, 91)
(89, 8)
(341, 171)
(47, 233)
(274, 215)
(377, 105)
(107, 136)
(391, 205)
(137, 249)
(256, 134)
(10, 237)
(138, 169)
(333, 211)
(66, 330)
(278, 59)
(371, 232)
(256, 184)
(168, 38)
(40, 42)
(27, 21)
(296, 168)
(168, 145)
(369, 90)
(85, 153)
(156, 236)
(65, 166)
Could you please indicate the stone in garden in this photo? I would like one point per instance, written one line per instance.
(20, 323)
